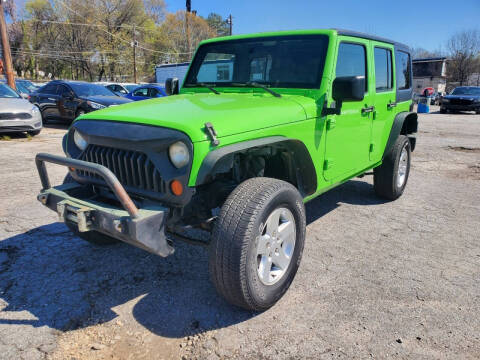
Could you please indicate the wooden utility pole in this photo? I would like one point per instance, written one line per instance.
(230, 23)
(134, 55)
(187, 30)
(7, 56)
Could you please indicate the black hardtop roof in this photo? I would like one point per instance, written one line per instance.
(440, 58)
(371, 37)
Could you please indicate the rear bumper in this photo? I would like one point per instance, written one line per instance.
(75, 203)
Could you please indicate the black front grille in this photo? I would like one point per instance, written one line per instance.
(133, 169)
(15, 116)
(461, 102)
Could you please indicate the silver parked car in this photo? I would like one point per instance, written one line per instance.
(18, 114)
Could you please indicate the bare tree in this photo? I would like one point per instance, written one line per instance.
(464, 47)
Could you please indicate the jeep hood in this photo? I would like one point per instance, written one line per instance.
(229, 113)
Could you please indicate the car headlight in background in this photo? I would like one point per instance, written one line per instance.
(35, 110)
(79, 140)
(95, 105)
(179, 155)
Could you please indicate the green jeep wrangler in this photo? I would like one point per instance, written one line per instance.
(262, 124)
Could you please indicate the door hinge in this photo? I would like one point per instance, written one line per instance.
(331, 124)
(372, 147)
(327, 164)
(212, 133)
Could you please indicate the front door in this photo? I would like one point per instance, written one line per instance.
(384, 98)
(348, 134)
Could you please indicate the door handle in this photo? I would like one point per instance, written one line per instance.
(368, 109)
(391, 105)
(53, 99)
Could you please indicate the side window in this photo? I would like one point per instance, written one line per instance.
(351, 61)
(62, 90)
(141, 92)
(153, 93)
(403, 70)
(49, 89)
(260, 68)
(383, 69)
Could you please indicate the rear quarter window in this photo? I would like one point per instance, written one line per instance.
(403, 70)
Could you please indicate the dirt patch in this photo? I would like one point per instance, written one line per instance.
(465, 149)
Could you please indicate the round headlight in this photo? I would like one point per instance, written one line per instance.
(79, 140)
(179, 155)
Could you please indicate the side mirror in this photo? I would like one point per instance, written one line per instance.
(171, 86)
(348, 88)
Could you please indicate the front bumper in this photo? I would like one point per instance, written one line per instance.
(20, 125)
(77, 204)
(470, 107)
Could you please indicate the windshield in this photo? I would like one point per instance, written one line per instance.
(29, 85)
(277, 61)
(466, 91)
(7, 92)
(87, 90)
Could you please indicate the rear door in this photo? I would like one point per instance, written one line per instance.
(384, 97)
(348, 134)
(46, 99)
(65, 103)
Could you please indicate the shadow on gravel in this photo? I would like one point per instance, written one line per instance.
(355, 192)
(66, 283)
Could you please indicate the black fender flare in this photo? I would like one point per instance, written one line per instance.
(218, 159)
(405, 123)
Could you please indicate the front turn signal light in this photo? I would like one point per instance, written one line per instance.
(176, 187)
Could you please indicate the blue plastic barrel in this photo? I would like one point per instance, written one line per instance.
(423, 105)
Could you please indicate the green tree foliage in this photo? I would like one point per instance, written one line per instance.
(94, 40)
(218, 24)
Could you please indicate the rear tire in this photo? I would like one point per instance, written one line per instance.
(257, 243)
(34, 132)
(93, 237)
(390, 178)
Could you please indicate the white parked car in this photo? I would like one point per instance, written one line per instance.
(18, 114)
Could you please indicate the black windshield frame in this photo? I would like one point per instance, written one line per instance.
(320, 40)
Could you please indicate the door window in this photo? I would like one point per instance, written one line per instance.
(383, 69)
(141, 92)
(153, 93)
(49, 89)
(62, 90)
(351, 61)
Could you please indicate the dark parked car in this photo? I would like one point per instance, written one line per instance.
(463, 98)
(145, 92)
(65, 100)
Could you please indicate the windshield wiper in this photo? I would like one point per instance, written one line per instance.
(208, 87)
(260, 86)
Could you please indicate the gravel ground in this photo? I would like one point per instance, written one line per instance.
(377, 279)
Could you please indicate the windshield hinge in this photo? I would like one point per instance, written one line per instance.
(212, 133)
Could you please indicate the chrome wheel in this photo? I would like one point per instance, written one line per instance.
(402, 167)
(275, 246)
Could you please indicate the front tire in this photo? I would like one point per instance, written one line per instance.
(390, 178)
(34, 132)
(257, 243)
